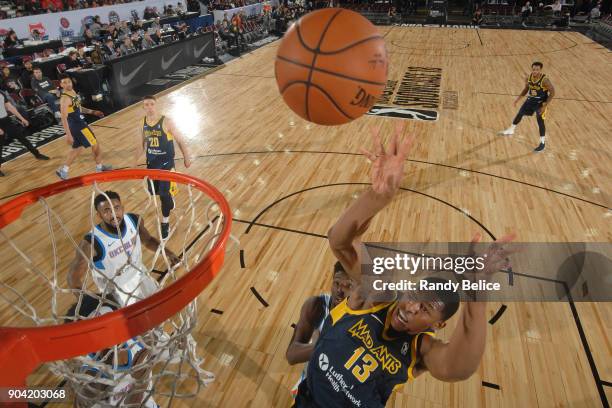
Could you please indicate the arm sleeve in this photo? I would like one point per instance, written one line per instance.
(98, 250)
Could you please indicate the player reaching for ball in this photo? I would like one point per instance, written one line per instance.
(367, 348)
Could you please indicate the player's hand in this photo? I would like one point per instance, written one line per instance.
(497, 255)
(98, 113)
(69, 139)
(24, 122)
(187, 161)
(388, 165)
(1, 132)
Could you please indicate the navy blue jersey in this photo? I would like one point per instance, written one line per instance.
(358, 361)
(76, 120)
(537, 90)
(159, 144)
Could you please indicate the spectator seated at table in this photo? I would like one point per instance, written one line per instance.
(11, 40)
(157, 36)
(113, 32)
(227, 35)
(123, 28)
(83, 59)
(182, 30)
(73, 61)
(88, 37)
(155, 24)
(46, 91)
(26, 73)
(9, 82)
(109, 50)
(147, 41)
(477, 18)
(127, 47)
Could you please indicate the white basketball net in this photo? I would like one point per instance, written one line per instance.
(154, 367)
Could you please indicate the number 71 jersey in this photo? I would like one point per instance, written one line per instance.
(356, 363)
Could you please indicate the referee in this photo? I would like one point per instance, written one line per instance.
(9, 128)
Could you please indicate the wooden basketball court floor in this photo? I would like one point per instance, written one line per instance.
(288, 181)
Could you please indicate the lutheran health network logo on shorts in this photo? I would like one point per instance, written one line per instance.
(336, 380)
(413, 97)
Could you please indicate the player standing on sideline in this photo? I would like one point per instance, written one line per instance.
(158, 136)
(539, 91)
(368, 348)
(78, 133)
(312, 316)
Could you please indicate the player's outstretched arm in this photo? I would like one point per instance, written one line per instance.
(386, 174)
(152, 243)
(458, 359)
(300, 348)
(78, 267)
(88, 111)
(180, 141)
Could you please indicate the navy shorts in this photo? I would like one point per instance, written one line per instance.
(82, 136)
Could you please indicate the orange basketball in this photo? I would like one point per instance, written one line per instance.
(331, 66)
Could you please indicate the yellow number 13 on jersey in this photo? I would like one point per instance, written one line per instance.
(362, 371)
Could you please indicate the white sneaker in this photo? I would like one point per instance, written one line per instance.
(61, 173)
(104, 167)
(507, 132)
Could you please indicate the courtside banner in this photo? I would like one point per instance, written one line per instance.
(510, 272)
(134, 70)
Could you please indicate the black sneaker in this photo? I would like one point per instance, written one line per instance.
(165, 227)
(540, 147)
(40, 156)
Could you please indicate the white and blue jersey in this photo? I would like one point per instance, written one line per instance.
(119, 259)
